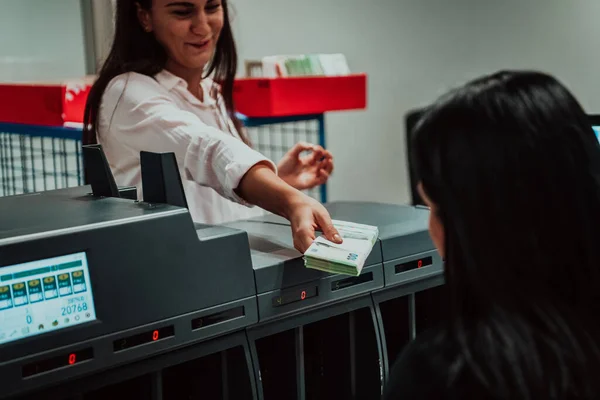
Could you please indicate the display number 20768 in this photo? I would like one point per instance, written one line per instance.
(74, 308)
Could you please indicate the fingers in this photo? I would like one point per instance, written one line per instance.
(322, 177)
(300, 147)
(327, 154)
(304, 235)
(305, 219)
(324, 172)
(302, 241)
(326, 225)
(319, 155)
(323, 154)
(316, 156)
(327, 166)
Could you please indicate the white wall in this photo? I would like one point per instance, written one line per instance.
(413, 50)
(41, 40)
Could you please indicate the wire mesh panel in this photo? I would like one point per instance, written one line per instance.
(273, 137)
(34, 159)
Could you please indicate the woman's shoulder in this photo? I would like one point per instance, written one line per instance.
(132, 85)
(424, 368)
(432, 348)
(129, 94)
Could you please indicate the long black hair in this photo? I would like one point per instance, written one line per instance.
(134, 50)
(512, 165)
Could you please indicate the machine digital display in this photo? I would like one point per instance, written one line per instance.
(414, 264)
(43, 296)
(61, 361)
(219, 317)
(293, 295)
(349, 282)
(143, 338)
(597, 130)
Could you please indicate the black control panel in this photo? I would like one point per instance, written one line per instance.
(56, 362)
(414, 264)
(353, 281)
(216, 318)
(143, 338)
(294, 295)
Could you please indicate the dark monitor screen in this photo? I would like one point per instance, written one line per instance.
(411, 119)
(595, 121)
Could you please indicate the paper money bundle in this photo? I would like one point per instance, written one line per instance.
(347, 258)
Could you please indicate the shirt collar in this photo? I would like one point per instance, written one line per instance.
(169, 80)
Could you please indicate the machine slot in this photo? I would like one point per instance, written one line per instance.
(366, 377)
(137, 388)
(222, 375)
(341, 357)
(277, 360)
(396, 323)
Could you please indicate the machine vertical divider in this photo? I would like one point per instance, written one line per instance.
(255, 367)
(300, 381)
(381, 342)
(352, 337)
(157, 386)
(412, 315)
(251, 358)
(385, 362)
(225, 375)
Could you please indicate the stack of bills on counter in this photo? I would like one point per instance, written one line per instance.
(347, 258)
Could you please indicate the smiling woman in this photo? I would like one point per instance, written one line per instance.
(159, 41)
(189, 32)
(154, 94)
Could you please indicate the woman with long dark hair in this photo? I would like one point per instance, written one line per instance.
(510, 167)
(154, 93)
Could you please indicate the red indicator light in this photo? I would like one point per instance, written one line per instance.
(155, 335)
(303, 295)
(72, 358)
(420, 264)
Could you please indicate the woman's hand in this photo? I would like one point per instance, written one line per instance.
(305, 172)
(261, 186)
(306, 216)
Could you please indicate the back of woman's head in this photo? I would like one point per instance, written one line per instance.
(512, 165)
(135, 50)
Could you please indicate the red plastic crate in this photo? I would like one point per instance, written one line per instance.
(59, 104)
(46, 104)
(260, 97)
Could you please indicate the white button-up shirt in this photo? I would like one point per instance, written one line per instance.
(141, 113)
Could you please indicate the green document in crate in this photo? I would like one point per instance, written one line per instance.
(347, 258)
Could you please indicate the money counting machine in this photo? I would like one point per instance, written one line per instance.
(89, 283)
(292, 300)
(103, 296)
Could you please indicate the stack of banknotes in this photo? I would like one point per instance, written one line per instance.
(347, 258)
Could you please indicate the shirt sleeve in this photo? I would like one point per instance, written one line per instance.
(142, 117)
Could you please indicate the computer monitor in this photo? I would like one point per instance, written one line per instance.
(595, 120)
(411, 119)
